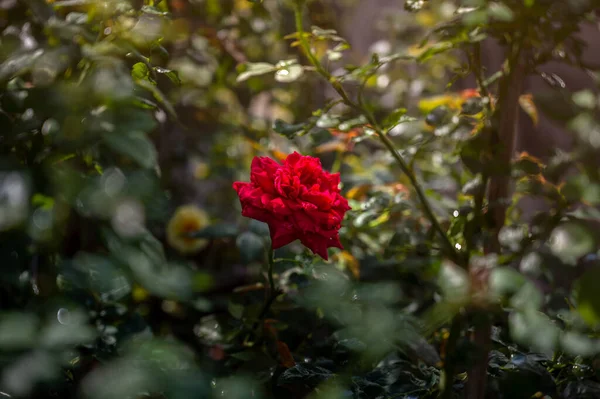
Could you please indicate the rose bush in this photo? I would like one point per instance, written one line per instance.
(126, 274)
(297, 199)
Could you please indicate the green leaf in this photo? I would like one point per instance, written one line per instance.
(222, 230)
(580, 187)
(256, 69)
(327, 121)
(330, 34)
(578, 344)
(556, 104)
(172, 75)
(133, 144)
(414, 5)
(286, 129)
(140, 71)
(304, 374)
(18, 331)
(235, 309)
(570, 241)
(454, 282)
(99, 274)
(251, 246)
(158, 96)
(394, 118)
(500, 12)
(439, 116)
(582, 389)
(505, 281)
(68, 329)
(588, 296)
(535, 329)
(202, 282)
(289, 74)
(350, 123)
(18, 65)
(585, 99)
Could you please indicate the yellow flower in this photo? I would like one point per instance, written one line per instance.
(187, 219)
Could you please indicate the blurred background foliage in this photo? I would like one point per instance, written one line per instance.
(128, 271)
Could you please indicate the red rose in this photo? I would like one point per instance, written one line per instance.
(298, 200)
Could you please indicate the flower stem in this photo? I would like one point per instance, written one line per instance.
(273, 292)
(271, 263)
(452, 252)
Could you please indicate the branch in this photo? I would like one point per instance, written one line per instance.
(452, 252)
(505, 119)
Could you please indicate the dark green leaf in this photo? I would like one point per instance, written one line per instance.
(133, 144)
(251, 246)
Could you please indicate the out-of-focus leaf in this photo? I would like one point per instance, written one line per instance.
(18, 64)
(286, 129)
(287, 360)
(256, 69)
(304, 374)
(581, 188)
(395, 118)
(222, 230)
(527, 105)
(133, 144)
(585, 99)
(158, 96)
(289, 73)
(172, 75)
(140, 71)
(525, 376)
(505, 281)
(588, 296)
(67, 330)
(414, 5)
(570, 241)
(578, 344)
(237, 387)
(98, 274)
(556, 104)
(500, 11)
(20, 377)
(454, 282)
(251, 246)
(18, 331)
(528, 164)
(582, 390)
(535, 329)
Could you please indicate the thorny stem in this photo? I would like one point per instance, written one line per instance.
(452, 252)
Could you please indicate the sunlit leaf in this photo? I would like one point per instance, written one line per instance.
(527, 105)
(256, 69)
